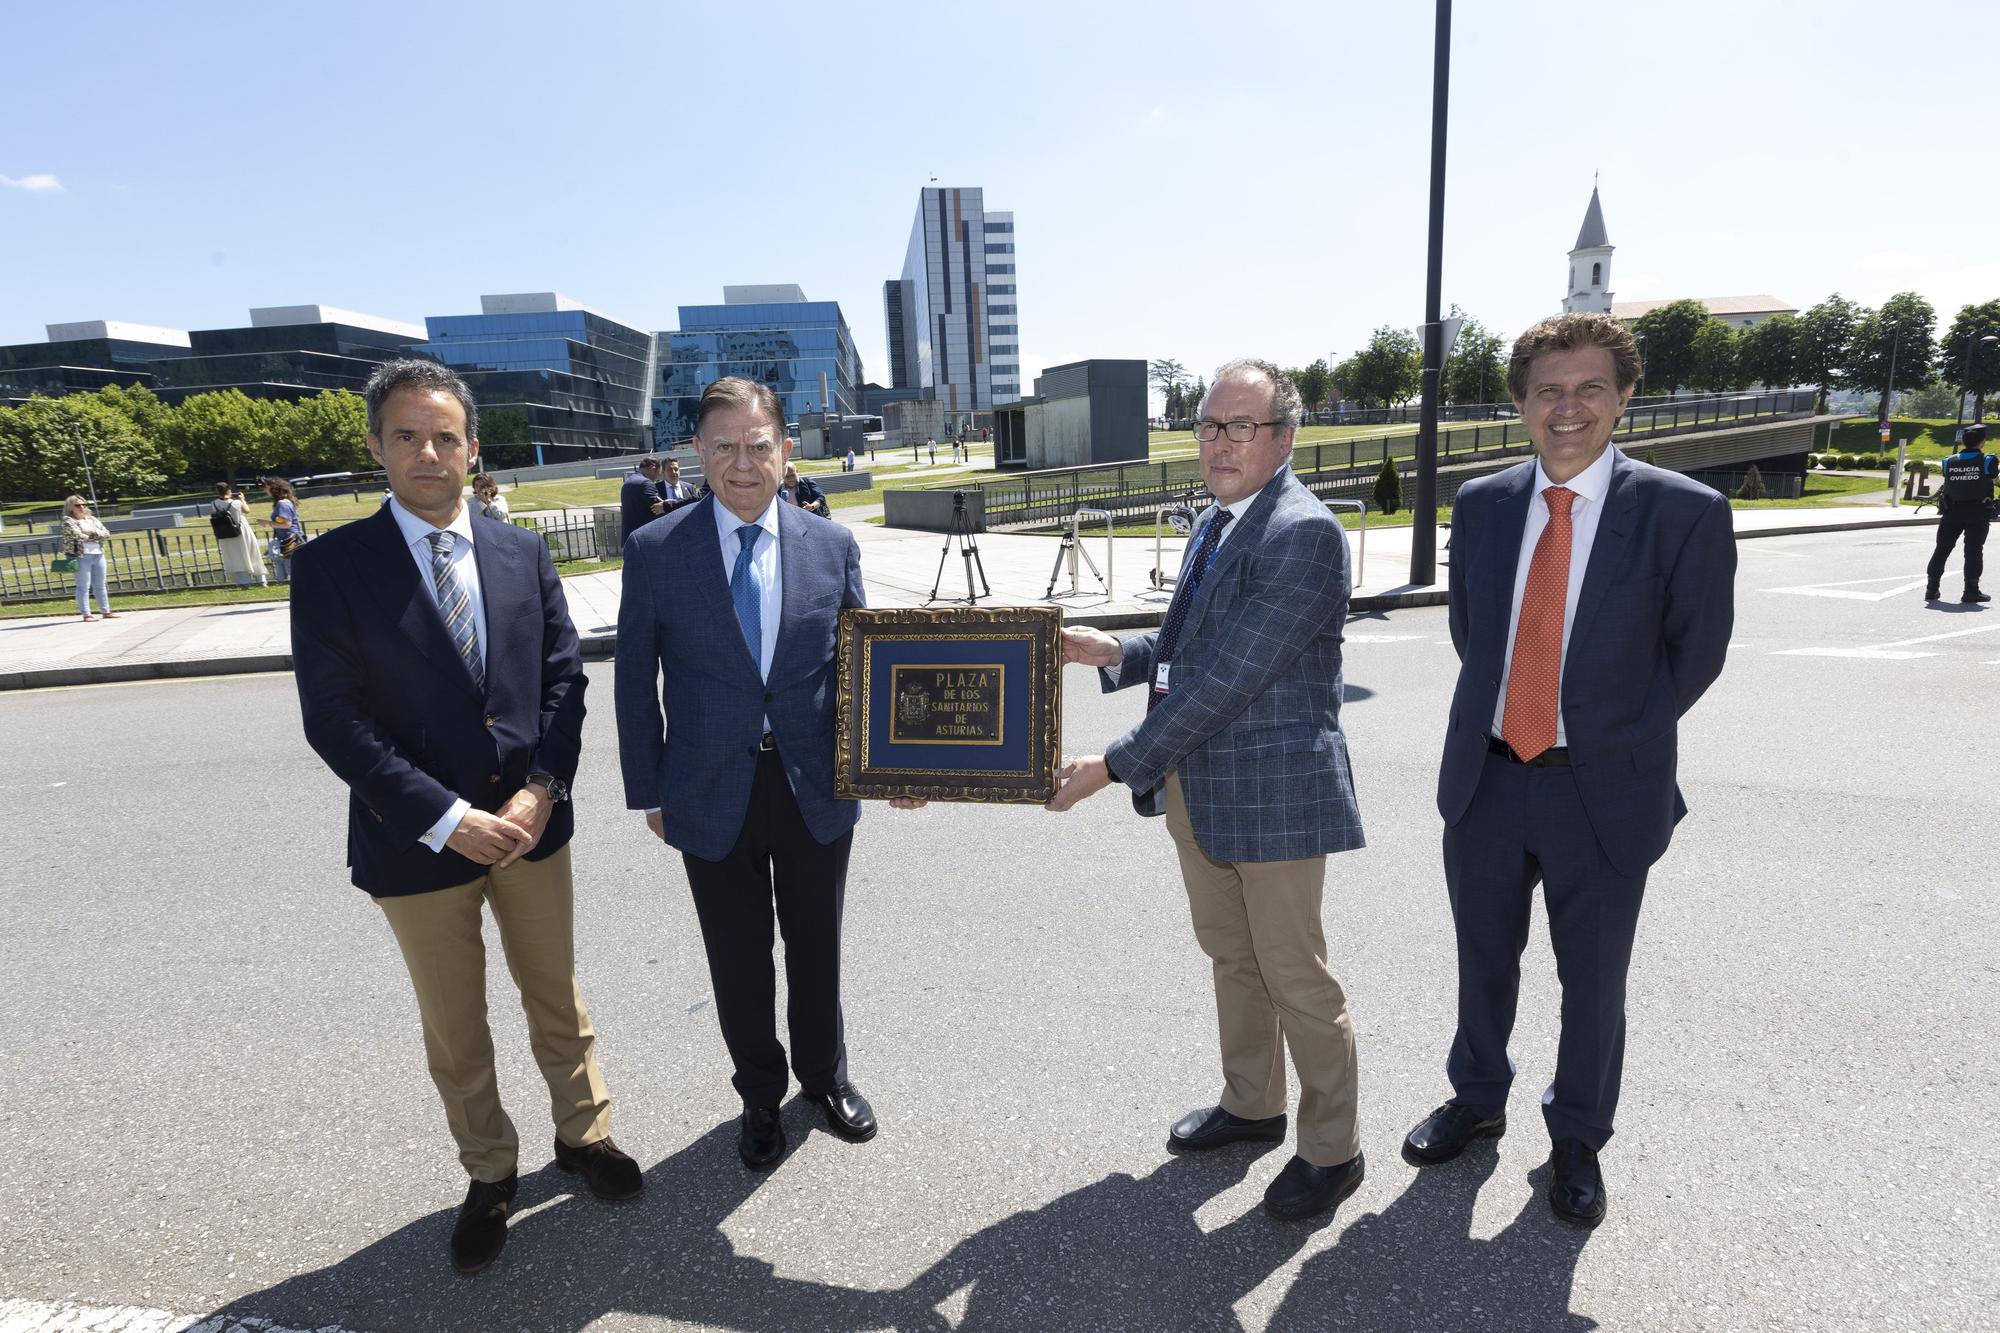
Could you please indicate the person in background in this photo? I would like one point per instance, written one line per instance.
(83, 540)
(487, 498)
(639, 500)
(673, 491)
(803, 492)
(236, 538)
(288, 534)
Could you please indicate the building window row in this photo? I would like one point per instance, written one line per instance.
(1004, 248)
(999, 288)
(994, 330)
(1000, 268)
(992, 227)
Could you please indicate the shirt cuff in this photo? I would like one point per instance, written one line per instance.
(653, 810)
(445, 827)
(1111, 772)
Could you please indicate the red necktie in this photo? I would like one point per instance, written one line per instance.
(1535, 675)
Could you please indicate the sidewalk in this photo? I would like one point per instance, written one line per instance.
(899, 567)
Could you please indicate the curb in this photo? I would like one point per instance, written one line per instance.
(601, 647)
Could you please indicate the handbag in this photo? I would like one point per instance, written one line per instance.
(63, 564)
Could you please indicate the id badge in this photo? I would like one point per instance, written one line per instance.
(1160, 674)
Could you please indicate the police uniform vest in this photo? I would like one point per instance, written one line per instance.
(1966, 480)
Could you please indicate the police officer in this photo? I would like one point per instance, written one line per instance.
(1966, 503)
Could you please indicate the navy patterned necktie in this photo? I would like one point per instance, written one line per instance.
(748, 594)
(454, 601)
(1177, 613)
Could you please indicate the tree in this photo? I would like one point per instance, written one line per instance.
(1314, 383)
(1982, 375)
(222, 433)
(1476, 370)
(1388, 370)
(44, 443)
(327, 432)
(1900, 333)
(1715, 367)
(1825, 332)
(1769, 353)
(1170, 377)
(1388, 489)
(1669, 332)
(153, 419)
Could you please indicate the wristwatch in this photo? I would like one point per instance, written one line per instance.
(557, 788)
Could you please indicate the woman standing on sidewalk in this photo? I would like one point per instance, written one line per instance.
(83, 540)
(236, 538)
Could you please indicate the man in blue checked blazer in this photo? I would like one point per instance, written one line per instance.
(1241, 750)
(725, 689)
(439, 678)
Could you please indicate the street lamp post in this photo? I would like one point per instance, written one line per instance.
(1641, 338)
(88, 484)
(1972, 345)
(1423, 530)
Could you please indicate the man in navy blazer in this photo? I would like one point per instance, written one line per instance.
(440, 679)
(1241, 749)
(725, 691)
(1590, 604)
(639, 498)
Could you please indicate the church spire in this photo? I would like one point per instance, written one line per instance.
(1590, 262)
(1593, 235)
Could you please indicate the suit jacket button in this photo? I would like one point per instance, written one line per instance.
(768, 696)
(493, 779)
(491, 720)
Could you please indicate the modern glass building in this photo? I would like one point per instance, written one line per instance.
(287, 352)
(953, 317)
(553, 378)
(771, 334)
(80, 358)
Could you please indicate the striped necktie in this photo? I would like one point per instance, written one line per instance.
(454, 601)
(1177, 612)
(748, 594)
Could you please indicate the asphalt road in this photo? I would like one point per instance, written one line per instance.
(213, 1091)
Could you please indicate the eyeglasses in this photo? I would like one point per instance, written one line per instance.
(725, 451)
(1241, 432)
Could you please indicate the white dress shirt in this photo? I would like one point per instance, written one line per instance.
(417, 539)
(1236, 510)
(1590, 486)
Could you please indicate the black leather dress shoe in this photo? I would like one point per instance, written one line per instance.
(1576, 1187)
(1211, 1127)
(1305, 1190)
(762, 1142)
(481, 1230)
(1446, 1132)
(848, 1113)
(609, 1173)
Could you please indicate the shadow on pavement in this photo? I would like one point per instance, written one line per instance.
(1416, 1266)
(1124, 1252)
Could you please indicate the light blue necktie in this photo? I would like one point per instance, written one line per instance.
(745, 591)
(454, 601)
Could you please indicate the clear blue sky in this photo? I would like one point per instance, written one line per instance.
(1193, 181)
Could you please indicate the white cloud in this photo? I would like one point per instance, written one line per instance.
(1155, 116)
(39, 183)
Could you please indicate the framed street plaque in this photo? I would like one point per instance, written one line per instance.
(952, 704)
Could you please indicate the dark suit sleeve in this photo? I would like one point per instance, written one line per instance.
(1301, 594)
(642, 734)
(332, 683)
(1459, 569)
(855, 593)
(1137, 664)
(1701, 601)
(563, 681)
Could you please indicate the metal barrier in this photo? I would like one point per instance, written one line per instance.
(1180, 517)
(1361, 559)
(1047, 498)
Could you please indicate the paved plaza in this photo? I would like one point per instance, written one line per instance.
(213, 1088)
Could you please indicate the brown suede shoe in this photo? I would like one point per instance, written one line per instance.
(481, 1230)
(609, 1173)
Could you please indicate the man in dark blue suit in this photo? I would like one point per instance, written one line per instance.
(725, 690)
(639, 498)
(440, 679)
(1591, 602)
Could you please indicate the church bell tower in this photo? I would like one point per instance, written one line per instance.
(1590, 264)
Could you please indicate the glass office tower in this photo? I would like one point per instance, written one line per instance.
(953, 317)
(771, 334)
(554, 379)
(81, 358)
(288, 352)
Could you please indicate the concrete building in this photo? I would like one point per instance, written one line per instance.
(770, 333)
(1082, 413)
(555, 380)
(953, 316)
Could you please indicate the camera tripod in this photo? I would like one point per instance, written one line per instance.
(961, 533)
(1068, 551)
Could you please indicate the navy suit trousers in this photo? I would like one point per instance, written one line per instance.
(1527, 826)
(776, 860)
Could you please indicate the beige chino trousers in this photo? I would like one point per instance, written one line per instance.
(1259, 922)
(439, 933)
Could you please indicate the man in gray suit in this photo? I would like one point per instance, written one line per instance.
(1241, 749)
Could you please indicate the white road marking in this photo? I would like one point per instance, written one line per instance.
(1383, 638)
(1886, 652)
(1847, 588)
(23, 1316)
